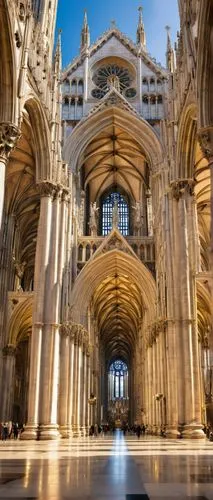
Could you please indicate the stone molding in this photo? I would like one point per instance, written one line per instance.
(76, 332)
(205, 137)
(155, 329)
(181, 187)
(9, 136)
(9, 350)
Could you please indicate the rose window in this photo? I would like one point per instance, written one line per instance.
(110, 76)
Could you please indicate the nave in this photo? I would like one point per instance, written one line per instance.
(107, 468)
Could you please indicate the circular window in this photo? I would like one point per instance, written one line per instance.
(130, 93)
(103, 76)
(98, 93)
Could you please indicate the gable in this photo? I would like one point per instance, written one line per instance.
(114, 241)
(112, 47)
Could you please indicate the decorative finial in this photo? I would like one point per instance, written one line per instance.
(170, 58)
(141, 36)
(85, 33)
(85, 16)
(113, 24)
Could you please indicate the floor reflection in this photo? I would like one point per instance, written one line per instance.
(107, 468)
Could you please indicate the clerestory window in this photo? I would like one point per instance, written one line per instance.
(112, 203)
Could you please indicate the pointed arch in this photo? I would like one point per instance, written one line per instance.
(186, 142)
(20, 323)
(7, 66)
(41, 139)
(205, 63)
(94, 124)
(103, 266)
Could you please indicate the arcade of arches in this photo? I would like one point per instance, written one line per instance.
(106, 228)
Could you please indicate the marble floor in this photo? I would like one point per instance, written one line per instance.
(105, 468)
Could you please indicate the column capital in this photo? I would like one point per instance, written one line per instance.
(9, 135)
(89, 350)
(205, 137)
(9, 350)
(46, 189)
(65, 195)
(182, 186)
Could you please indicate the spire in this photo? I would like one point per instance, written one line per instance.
(58, 54)
(141, 35)
(85, 34)
(170, 56)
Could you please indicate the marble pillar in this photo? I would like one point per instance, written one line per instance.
(71, 383)
(41, 265)
(64, 384)
(9, 372)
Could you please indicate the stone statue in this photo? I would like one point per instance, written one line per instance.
(138, 217)
(19, 273)
(93, 218)
(115, 216)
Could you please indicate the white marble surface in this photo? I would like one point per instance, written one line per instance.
(106, 468)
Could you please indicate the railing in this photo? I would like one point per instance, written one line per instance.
(142, 246)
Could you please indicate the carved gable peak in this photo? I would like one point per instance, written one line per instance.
(114, 241)
(113, 98)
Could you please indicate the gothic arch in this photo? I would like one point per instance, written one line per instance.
(41, 139)
(7, 67)
(140, 131)
(104, 265)
(20, 323)
(205, 63)
(186, 142)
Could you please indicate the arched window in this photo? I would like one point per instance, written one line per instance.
(152, 84)
(118, 380)
(74, 87)
(107, 206)
(80, 87)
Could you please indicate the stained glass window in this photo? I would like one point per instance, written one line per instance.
(107, 207)
(118, 372)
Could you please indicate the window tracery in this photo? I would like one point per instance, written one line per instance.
(111, 75)
(118, 380)
(107, 206)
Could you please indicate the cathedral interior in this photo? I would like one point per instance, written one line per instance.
(106, 216)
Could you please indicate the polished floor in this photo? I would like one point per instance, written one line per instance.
(105, 468)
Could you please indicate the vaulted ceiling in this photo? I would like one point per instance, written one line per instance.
(118, 309)
(114, 158)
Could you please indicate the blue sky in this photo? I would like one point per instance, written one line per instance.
(156, 14)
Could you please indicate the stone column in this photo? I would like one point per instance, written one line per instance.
(8, 386)
(75, 422)
(51, 338)
(64, 382)
(171, 331)
(41, 264)
(88, 391)
(84, 397)
(189, 364)
(71, 382)
(9, 136)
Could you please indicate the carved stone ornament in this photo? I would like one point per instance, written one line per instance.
(115, 243)
(182, 186)
(205, 137)
(9, 350)
(47, 189)
(155, 329)
(9, 135)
